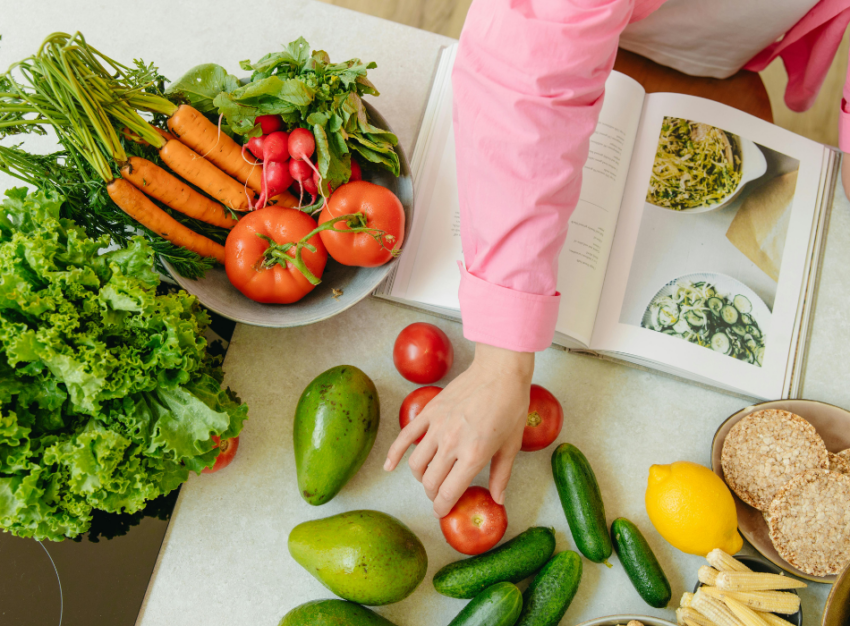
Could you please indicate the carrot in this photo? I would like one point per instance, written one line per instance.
(284, 199)
(206, 176)
(137, 205)
(164, 134)
(173, 192)
(205, 138)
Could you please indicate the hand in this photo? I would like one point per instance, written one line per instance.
(479, 416)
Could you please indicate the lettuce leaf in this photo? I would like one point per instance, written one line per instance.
(108, 397)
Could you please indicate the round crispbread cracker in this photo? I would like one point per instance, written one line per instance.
(838, 463)
(845, 454)
(765, 450)
(810, 522)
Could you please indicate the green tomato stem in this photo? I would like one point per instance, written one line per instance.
(278, 254)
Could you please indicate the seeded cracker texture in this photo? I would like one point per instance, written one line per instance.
(845, 454)
(839, 464)
(810, 522)
(765, 450)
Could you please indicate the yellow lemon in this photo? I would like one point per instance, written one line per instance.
(692, 508)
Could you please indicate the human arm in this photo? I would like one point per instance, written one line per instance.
(528, 83)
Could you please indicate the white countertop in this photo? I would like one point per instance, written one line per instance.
(225, 559)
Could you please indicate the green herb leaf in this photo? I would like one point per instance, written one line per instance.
(201, 84)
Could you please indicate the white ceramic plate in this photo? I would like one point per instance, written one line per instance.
(725, 286)
(217, 294)
(753, 166)
(832, 424)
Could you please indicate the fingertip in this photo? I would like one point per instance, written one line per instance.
(388, 465)
(499, 497)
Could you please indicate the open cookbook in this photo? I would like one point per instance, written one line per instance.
(694, 250)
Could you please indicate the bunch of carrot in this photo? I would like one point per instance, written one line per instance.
(69, 87)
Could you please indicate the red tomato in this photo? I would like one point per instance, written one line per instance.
(545, 420)
(246, 253)
(227, 450)
(476, 523)
(423, 353)
(414, 403)
(382, 211)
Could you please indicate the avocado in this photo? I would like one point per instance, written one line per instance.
(336, 422)
(367, 557)
(332, 613)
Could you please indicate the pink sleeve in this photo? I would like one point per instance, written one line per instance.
(528, 84)
(844, 116)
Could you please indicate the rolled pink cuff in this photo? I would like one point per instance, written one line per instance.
(505, 318)
(844, 128)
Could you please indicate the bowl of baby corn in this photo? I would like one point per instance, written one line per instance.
(742, 591)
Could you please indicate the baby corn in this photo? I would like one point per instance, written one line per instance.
(765, 601)
(714, 610)
(752, 581)
(747, 616)
(724, 562)
(774, 620)
(708, 575)
(690, 617)
(686, 599)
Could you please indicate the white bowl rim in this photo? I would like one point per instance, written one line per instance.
(724, 276)
(613, 620)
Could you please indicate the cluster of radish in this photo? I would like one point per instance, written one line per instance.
(288, 162)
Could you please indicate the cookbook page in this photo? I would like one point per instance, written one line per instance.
(712, 244)
(428, 272)
(584, 257)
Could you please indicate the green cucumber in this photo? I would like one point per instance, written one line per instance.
(640, 563)
(498, 605)
(511, 562)
(552, 590)
(582, 502)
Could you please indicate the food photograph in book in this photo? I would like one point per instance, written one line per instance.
(712, 235)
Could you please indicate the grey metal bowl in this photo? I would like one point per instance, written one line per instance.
(217, 294)
(622, 620)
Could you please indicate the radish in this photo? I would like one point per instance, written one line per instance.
(275, 147)
(269, 123)
(310, 186)
(255, 146)
(300, 170)
(301, 144)
(356, 172)
(276, 179)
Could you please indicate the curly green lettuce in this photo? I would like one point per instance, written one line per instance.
(108, 398)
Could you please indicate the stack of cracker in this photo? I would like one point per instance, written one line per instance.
(776, 462)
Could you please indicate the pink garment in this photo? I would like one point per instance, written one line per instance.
(528, 85)
(807, 51)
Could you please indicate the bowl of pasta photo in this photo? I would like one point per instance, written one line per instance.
(699, 168)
